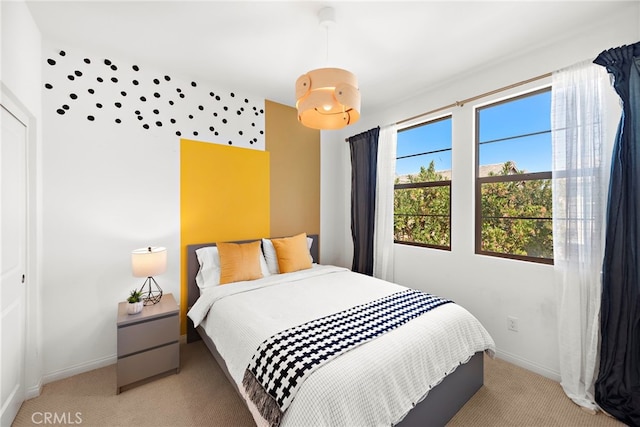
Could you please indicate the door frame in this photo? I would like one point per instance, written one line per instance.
(33, 361)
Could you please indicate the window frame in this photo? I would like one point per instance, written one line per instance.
(416, 185)
(532, 176)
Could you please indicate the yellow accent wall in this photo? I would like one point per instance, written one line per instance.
(295, 172)
(224, 195)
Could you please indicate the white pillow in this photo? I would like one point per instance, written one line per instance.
(272, 259)
(209, 273)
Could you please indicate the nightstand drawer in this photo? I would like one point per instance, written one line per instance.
(149, 363)
(147, 334)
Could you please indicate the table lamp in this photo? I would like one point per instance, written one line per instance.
(148, 262)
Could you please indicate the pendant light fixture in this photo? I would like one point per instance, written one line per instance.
(327, 98)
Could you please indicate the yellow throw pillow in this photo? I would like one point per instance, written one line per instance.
(239, 261)
(292, 253)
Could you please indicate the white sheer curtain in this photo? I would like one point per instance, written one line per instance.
(383, 235)
(580, 180)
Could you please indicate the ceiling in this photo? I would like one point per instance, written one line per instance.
(396, 49)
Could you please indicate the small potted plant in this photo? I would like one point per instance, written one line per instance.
(135, 302)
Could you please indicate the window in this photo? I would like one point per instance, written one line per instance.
(422, 191)
(513, 178)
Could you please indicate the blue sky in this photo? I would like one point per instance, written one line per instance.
(523, 116)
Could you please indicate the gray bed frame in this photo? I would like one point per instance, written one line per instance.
(440, 405)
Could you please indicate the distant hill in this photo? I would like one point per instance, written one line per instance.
(485, 170)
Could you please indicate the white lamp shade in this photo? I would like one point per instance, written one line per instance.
(148, 262)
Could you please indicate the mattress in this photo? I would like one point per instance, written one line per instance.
(376, 383)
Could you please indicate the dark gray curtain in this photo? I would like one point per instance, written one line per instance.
(617, 388)
(364, 167)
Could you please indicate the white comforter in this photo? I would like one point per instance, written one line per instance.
(374, 384)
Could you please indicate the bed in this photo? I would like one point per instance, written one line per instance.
(371, 384)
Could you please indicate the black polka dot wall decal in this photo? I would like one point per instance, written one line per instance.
(222, 127)
(230, 143)
(261, 111)
(63, 53)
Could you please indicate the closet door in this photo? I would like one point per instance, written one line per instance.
(13, 211)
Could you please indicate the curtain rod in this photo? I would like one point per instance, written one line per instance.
(473, 98)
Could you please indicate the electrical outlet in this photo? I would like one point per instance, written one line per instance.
(512, 323)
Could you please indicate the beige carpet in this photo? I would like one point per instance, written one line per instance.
(201, 396)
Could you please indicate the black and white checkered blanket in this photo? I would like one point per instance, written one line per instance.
(282, 362)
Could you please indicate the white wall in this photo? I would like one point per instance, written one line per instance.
(111, 187)
(490, 288)
(20, 74)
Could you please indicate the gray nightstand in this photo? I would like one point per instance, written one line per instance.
(148, 341)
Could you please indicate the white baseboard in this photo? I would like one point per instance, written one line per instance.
(528, 365)
(33, 391)
(79, 369)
